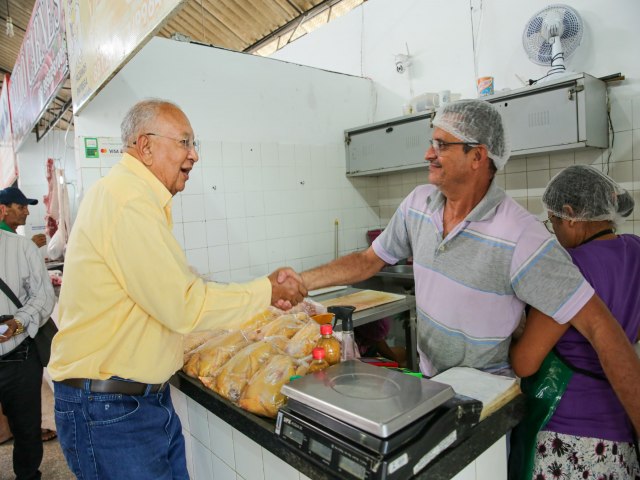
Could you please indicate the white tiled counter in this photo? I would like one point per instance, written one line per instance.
(224, 442)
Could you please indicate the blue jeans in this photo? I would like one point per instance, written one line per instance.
(115, 436)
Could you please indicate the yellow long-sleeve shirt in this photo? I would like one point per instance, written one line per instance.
(128, 295)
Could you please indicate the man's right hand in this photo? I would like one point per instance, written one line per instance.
(287, 289)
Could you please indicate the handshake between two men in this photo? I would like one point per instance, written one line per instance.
(287, 288)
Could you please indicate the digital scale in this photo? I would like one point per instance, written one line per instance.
(368, 423)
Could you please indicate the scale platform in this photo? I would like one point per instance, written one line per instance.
(369, 423)
(373, 399)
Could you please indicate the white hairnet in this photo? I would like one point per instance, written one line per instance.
(592, 196)
(476, 121)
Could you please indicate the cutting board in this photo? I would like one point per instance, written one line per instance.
(364, 299)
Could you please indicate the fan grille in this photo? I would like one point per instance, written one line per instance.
(538, 47)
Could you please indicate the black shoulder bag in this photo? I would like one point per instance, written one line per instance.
(45, 334)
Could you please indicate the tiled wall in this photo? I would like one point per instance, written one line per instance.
(251, 208)
(217, 450)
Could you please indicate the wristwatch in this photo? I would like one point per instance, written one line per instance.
(20, 328)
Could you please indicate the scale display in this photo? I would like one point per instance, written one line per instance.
(351, 453)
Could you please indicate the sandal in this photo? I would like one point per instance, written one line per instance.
(48, 434)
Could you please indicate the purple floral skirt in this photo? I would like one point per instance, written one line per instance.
(568, 457)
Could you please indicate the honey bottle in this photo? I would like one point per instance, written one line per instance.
(318, 363)
(330, 344)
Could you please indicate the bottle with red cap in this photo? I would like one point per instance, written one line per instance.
(318, 363)
(330, 344)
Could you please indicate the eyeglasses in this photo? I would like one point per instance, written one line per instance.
(185, 142)
(549, 225)
(440, 145)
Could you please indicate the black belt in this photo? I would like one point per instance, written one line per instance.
(113, 385)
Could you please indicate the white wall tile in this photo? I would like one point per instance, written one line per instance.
(492, 464)
(515, 165)
(235, 207)
(231, 154)
(256, 228)
(198, 423)
(621, 114)
(195, 235)
(211, 153)
(253, 180)
(254, 204)
(222, 471)
(258, 253)
(220, 433)
(276, 249)
(176, 208)
(216, 233)
(215, 205)
(622, 147)
(251, 156)
(233, 178)
(621, 171)
(515, 181)
(274, 468)
(202, 462)
(199, 259)
(539, 162)
(213, 179)
(238, 256)
(194, 184)
(269, 154)
(240, 275)
(178, 232)
(537, 179)
(286, 155)
(562, 159)
(250, 465)
(179, 401)
(218, 259)
(193, 208)
(188, 440)
(89, 176)
(237, 230)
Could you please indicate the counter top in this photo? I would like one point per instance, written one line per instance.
(261, 430)
(370, 314)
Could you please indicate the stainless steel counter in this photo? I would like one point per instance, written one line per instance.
(406, 305)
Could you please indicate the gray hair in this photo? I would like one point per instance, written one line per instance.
(138, 118)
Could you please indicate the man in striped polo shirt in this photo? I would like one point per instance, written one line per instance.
(479, 258)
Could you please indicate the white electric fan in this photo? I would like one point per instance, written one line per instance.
(551, 36)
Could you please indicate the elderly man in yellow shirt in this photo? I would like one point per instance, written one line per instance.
(128, 298)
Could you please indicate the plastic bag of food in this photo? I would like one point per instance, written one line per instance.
(262, 394)
(302, 343)
(260, 319)
(233, 376)
(309, 307)
(193, 340)
(286, 325)
(207, 358)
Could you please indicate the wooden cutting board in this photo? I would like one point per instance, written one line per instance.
(364, 299)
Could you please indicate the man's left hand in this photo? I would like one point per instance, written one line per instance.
(39, 239)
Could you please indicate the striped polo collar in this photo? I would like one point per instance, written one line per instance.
(484, 210)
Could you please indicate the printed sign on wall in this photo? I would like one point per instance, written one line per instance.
(8, 166)
(102, 35)
(41, 67)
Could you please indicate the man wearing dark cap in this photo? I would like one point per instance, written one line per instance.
(17, 211)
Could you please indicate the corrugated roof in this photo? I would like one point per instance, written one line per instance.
(241, 25)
